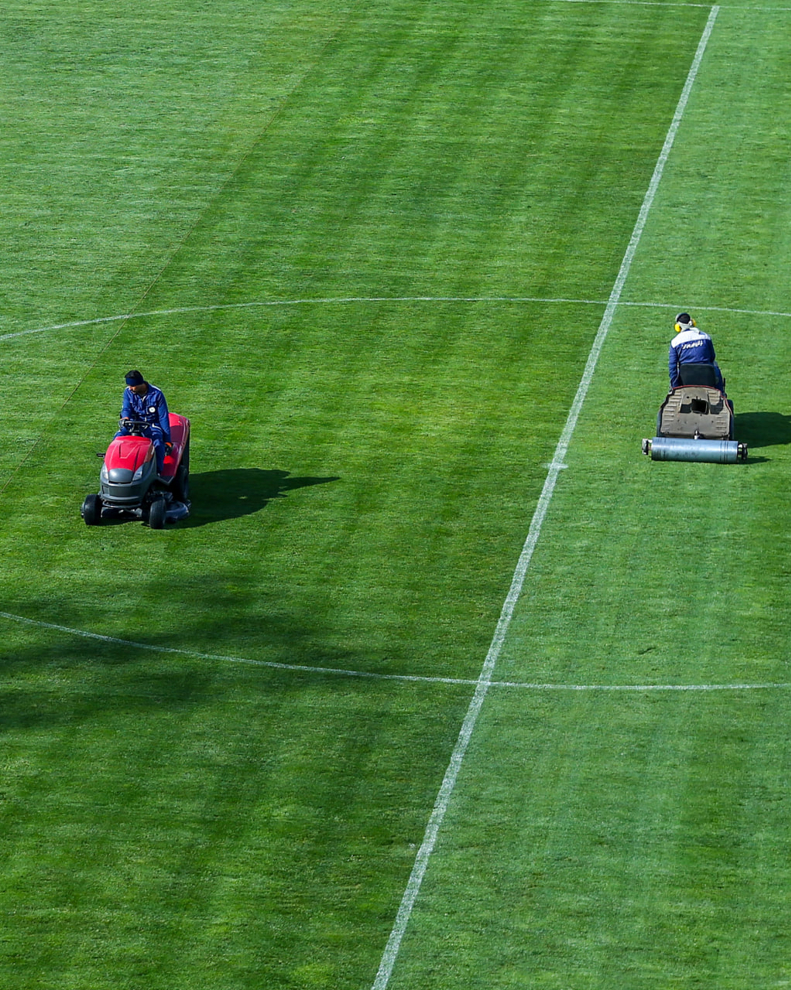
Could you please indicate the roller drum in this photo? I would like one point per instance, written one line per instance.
(683, 449)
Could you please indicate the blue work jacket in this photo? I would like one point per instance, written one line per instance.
(150, 408)
(691, 346)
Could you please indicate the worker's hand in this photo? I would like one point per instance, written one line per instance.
(169, 446)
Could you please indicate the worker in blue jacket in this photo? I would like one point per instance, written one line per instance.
(691, 346)
(145, 403)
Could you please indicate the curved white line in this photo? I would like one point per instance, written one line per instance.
(708, 309)
(347, 300)
(769, 685)
(339, 300)
(153, 648)
(411, 678)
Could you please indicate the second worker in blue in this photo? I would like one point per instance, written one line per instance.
(691, 347)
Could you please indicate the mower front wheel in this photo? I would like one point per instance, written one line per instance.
(92, 510)
(157, 514)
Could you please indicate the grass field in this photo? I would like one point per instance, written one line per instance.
(366, 246)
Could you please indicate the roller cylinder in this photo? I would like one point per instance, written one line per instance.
(683, 449)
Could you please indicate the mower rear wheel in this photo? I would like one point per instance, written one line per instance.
(92, 510)
(157, 514)
(181, 484)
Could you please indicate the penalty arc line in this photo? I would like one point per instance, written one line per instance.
(415, 881)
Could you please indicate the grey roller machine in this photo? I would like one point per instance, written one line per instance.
(695, 423)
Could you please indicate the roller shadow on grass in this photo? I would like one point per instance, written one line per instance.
(229, 494)
(763, 429)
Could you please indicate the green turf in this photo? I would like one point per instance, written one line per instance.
(640, 839)
(364, 474)
(613, 840)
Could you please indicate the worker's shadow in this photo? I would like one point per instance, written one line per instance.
(762, 429)
(229, 494)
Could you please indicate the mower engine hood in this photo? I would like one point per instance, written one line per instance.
(127, 454)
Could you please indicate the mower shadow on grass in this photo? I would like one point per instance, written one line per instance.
(763, 429)
(235, 492)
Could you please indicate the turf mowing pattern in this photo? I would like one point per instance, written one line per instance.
(364, 474)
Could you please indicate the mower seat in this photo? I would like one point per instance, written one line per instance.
(698, 374)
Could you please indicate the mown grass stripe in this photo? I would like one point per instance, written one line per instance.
(414, 884)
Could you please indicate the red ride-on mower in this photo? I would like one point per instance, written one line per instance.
(130, 485)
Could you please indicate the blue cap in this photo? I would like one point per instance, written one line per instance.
(134, 378)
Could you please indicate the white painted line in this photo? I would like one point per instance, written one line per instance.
(371, 675)
(337, 671)
(393, 299)
(393, 946)
(638, 3)
(676, 3)
(707, 309)
(67, 326)
(341, 300)
(767, 686)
